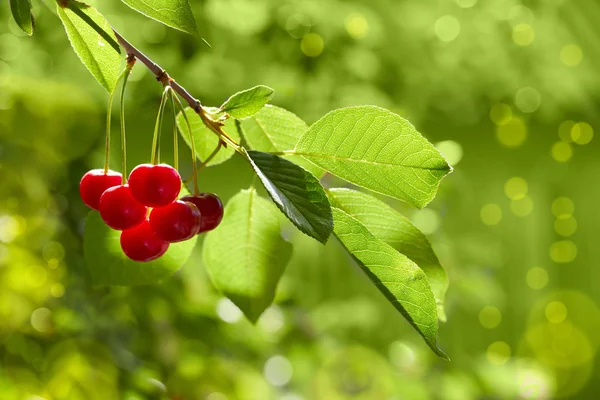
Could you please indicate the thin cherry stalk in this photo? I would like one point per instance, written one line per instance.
(128, 68)
(108, 118)
(192, 143)
(158, 126)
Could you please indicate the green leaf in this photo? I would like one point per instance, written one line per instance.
(396, 230)
(205, 140)
(109, 266)
(174, 13)
(376, 149)
(21, 11)
(399, 279)
(246, 255)
(93, 40)
(296, 192)
(248, 102)
(274, 129)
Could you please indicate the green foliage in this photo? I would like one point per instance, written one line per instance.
(296, 192)
(246, 255)
(400, 280)
(21, 11)
(174, 13)
(93, 40)
(109, 266)
(376, 149)
(205, 140)
(246, 103)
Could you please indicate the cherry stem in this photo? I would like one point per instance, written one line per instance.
(108, 118)
(210, 157)
(128, 68)
(157, 127)
(192, 144)
(175, 139)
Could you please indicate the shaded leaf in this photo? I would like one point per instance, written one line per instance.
(399, 279)
(297, 193)
(248, 102)
(376, 149)
(174, 13)
(21, 11)
(246, 255)
(396, 230)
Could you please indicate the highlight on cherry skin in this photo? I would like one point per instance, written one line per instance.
(177, 222)
(210, 207)
(154, 185)
(94, 183)
(141, 244)
(120, 210)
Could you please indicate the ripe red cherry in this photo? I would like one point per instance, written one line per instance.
(141, 244)
(176, 222)
(155, 185)
(120, 210)
(211, 209)
(94, 183)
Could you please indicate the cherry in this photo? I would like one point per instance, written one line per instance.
(176, 222)
(120, 210)
(141, 244)
(155, 185)
(94, 183)
(210, 207)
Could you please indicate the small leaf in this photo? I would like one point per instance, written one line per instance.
(248, 102)
(399, 279)
(246, 255)
(396, 230)
(21, 11)
(109, 266)
(174, 13)
(274, 129)
(205, 140)
(376, 149)
(296, 192)
(93, 40)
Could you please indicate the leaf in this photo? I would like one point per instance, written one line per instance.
(246, 255)
(376, 149)
(21, 11)
(296, 192)
(389, 225)
(248, 102)
(93, 40)
(109, 266)
(399, 279)
(174, 13)
(205, 140)
(274, 129)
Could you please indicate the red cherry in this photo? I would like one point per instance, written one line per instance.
(176, 222)
(141, 244)
(155, 185)
(94, 183)
(210, 207)
(120, 210)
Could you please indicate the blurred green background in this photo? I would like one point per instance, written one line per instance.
(508, 90)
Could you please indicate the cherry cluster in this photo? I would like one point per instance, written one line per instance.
(146, 208)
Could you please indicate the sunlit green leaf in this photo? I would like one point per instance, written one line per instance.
(93, 40)
(296, 192)
(109, 266)
(377, 149)
(21, 11)
(205, 140)
(403, 283)
(174, 13)
(246, 255)
(248, 102)
(396, 230)
(274, 129)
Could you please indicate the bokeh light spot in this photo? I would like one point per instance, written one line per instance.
(528, 99)
(10, 47)
(501, 114)
(513, 133)
(57, 290)
(571, 55)
(278, 371)
(520, 14)
(564, 251)
(427, 220)
(522, 207)
(466, 3)
(562, 152)
(228, 311)
(357, 26)
(41, 320)
(565, 226)
(582, 133)
(556, 312)
(498, 353)
(447, 28)
(523, 34)
(537, 278)
(490, 317)
(491, 214)
(53, 250)
(312, 44)
(564, 131)
(272, 320)
(563, 207)
(451, 150)
(515, 188)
